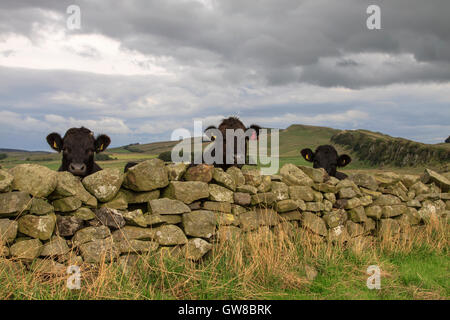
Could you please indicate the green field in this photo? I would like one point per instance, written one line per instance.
(292, 140)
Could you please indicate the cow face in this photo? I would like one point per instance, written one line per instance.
(78, 147)
(232, 123)
(326, 157)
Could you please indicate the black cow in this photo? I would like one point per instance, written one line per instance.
(447, 140)
(232, 123)
(79, 147)
(327, 157)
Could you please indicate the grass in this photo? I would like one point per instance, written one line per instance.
(259, 265)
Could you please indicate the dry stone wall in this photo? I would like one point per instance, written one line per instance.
(155, 206)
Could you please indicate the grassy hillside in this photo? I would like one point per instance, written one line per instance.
(369, 150)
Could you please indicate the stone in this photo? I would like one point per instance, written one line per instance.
(6, 180)
(140, 197)
(388, 228)
(84, 214)
(330, 197)
(236, 175)
(56, 246)
(364, 180)
(68, 204)
(293, 176)
(318, 175)
(374, 212)
(176, 171)
(14, 203)
(347, 193)
(8, 230)
(267, 216)
(294, 215)
(314, 223)
(413, 216)
(267, 198)
(304, 193)
(318, 196)
(249, 220)
(409, 180)
(26, 249)
(393, 211)
(105, 184)
(325, 188)
(220, 194)
(170, 235)
(441, 181)
(200, 223)
(197, 205)
(314, 206)
(39, 227)
(187, 191)
(39, 181)
(357, 214)
(386, 178)
(286, 205)
(237, 210)
(338, 234)
(228, 233)
(369, 225)
(252, 177)
(167, 206)
(136, 246)
(200, 172)
(90, 234)
(226, 219)
(217, 206)
(280, 190)
(133, 233)
(247, 189)
(41, 207)
(223, 179)
(99, 251)
(242, 199)
(366, 200)
(301, 205)
(428, 214)
(147, 176)
(354, 229)
(387, 200)
(69, 185)
(110, 217)
(373, 194)
(419, 188)
(196, 248)
(119, 202)
(334, 218)
(153, 219)
(135, 217)
(67, 226)
(266, 184)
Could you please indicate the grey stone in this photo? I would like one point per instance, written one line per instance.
(187, 191)
(200, 223)
(39, 227)
(105, 184)
(147, 176)
(39, 181)
(167, 206)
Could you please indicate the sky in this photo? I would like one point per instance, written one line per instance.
(137, 70)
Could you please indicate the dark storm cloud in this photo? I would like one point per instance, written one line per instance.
(272, 39)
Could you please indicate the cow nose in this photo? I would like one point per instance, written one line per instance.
(77, 168)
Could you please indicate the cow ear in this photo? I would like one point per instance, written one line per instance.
(55, 141)
(209, 132)
(257, 129)
(308, 154)
(101, 143)
(344, 160)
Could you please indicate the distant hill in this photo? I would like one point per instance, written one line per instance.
(3, 150)
(372, 148)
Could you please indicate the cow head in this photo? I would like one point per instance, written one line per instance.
(326, 157)
(78, 147)
(233, 123)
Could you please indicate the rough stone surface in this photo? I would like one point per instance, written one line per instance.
(224, 207)
(39, 227)
(6, 180)
(304, 193)
(242, 198)
(39, 181)
(90, 234)
(267, 198)
(110, 217)
(221, 194)
(104, 184)
(314, 223)
(41, 207)
(187, 191)
(13, 203)
(318, 175)
(286, 205)
(200, 223)
(196, 248)
(68, 204)
(200, 172)
(176, 171)
(224, 179)
(237, 176)
(135, 218)
(68, 225)
(147, 176)
(170, 235)
(374, 212)
(280, 190)
(365, 180)
(440, 180)
(98, 251)
(293, 176)
(167, 206)
(56, 246)
(26, 249)
(8, 230)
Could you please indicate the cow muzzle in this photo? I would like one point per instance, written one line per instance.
(78, 169)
